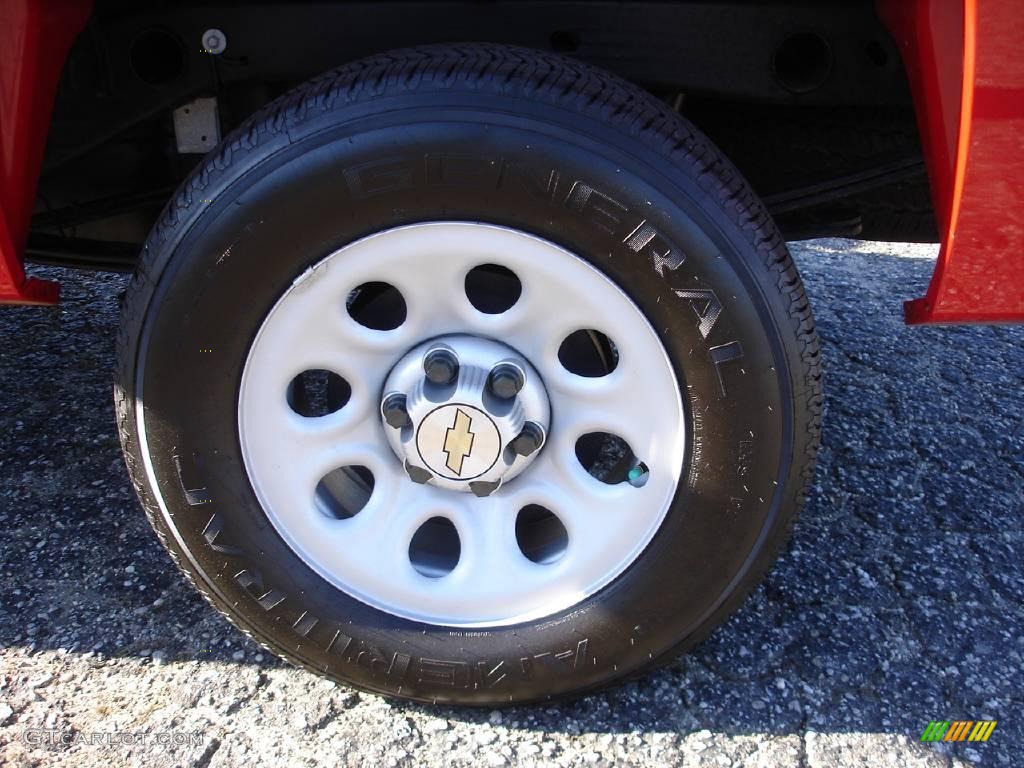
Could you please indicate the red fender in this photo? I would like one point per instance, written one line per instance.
(966, 71)
(35, 36)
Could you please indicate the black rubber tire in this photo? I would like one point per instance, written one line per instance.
(527, 140)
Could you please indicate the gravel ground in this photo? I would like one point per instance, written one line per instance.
(898, 603)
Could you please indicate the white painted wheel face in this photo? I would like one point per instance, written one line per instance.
(429, 553)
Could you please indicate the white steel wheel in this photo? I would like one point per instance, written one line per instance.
(424, 505)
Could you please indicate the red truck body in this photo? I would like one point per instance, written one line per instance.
(962, 59)
(35, 36)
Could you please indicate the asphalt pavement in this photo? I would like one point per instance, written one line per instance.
(898, 603)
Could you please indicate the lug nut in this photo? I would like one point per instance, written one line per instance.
(529, 439)
(440, 365)
(417, 474)
(394, 411)
(482, 489)
(505, 380)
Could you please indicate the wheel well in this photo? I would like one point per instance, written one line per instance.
(809, 99)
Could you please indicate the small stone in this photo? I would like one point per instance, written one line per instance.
(238, 655)
(42, 680)
(484, 737)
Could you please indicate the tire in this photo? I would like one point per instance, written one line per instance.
(534, 150)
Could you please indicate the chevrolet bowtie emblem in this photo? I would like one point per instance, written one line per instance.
(458, 441)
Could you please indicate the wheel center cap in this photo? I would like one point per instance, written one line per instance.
(465, 413)
(458, 442)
